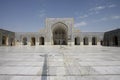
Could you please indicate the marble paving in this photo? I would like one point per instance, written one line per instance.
(59, 63)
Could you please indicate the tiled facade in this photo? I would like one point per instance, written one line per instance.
(57, 31)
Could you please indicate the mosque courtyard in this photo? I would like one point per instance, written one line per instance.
(59, 63)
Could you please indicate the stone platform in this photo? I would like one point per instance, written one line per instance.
(60, 63)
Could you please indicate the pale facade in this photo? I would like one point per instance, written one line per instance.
(112, 38)
(7, 38)
(59, 31)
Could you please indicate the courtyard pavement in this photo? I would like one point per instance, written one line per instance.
(60, 63)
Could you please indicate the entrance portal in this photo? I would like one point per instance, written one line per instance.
(60, 34)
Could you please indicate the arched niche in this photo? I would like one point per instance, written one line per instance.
(60, 34)
(77, 41)
(41, 41)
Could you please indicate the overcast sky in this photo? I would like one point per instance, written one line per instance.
(30, 15)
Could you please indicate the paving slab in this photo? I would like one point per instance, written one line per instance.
(59, 63)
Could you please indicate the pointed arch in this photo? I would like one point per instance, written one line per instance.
(24, 41)
(41, 41)
(85, 39)
(33, 43)
(60, 34)
(4, 40)
(94, 40)
(115, 41)
(12, 41)
(77, 41)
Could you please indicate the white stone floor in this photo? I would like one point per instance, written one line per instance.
(60, 63)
